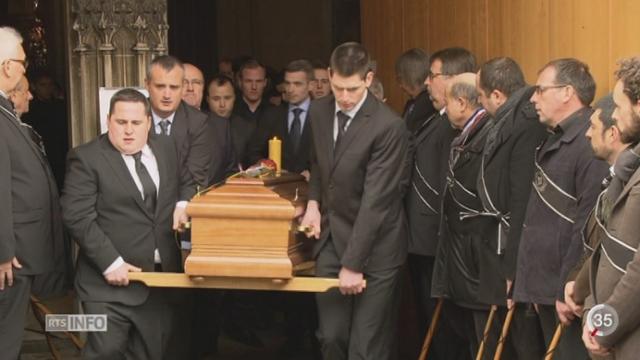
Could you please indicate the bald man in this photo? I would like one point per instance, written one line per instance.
(455, 272)
(193, 89)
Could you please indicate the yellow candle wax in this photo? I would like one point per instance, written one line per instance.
(275, 152)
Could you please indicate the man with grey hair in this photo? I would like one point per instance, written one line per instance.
(412, 68)
(454, 276)
(31, 232)
(20, 97)
(566, 183)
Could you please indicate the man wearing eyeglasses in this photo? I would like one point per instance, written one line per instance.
(566, 183)
(432, 138)
(193, 86)
(31, 232)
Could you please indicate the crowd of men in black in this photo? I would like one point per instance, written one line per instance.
(511, 206)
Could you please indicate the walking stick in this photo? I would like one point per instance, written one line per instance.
(487, 327)
(503, 334)
(431, 331)
(554, 342)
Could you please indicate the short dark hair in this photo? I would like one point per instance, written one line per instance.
(129, 95)
(570, 71)
(629, 74)
(319, 64)
(167, 62)
(502, 74)
(252, 64)
(300, 65)
(220, 80)
(606, 106)
(349, 59)
(455, 60)
(412, 67)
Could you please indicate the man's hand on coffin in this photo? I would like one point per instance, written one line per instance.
(311, 219)
(351, 282)
(306, 175)
(180, 218)
(120, 276)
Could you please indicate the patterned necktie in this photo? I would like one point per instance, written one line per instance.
(148, 186)
(342, 123)
(296, 129)
(164, 127)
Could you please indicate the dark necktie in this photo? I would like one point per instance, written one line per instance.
(296, 129)
(148, 187)
(164, 127)
(342, 123)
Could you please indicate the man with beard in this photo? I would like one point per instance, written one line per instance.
(615, 265)
(503, 186)
(606, 142)
(566, 183)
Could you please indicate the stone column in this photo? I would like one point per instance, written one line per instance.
(109, 43)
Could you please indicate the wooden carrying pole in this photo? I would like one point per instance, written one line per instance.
(487, 328)
(504, 333)
(432, 329)
(180, 280)
(554, 342)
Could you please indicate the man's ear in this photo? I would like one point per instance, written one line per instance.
(498, 97)
(368, 78)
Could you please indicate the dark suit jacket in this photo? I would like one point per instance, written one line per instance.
(241, 132)
(423, 200)
(275, 123)
(550, 246)
(223, 157)
(508, 171)
(456, 269)
(104, 211)
(417, 110)
(30, 222)
(359, 185)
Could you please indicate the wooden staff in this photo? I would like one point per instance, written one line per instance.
(485, 335)
(431, 331)
(505, 331)
(554, 343)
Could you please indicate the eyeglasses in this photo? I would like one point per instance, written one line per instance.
(434, 75)
(541, 89)
(194, 82)
(25, 62)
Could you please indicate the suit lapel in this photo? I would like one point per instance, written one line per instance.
(354, 128)
(179, 126)
(163, 174)
(427, 127)
(633, 181)
(15, 122)
(116, 162)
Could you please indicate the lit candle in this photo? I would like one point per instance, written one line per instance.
(275, 153)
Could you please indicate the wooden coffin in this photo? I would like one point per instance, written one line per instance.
(247, 228)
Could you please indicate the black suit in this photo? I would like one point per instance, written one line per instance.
(204, 145)
(30, 223)
(275, 122)
(104, 211)
(223, 156)
(360, 185)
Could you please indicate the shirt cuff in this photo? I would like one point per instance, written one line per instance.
(182, 204)
(114, 265)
